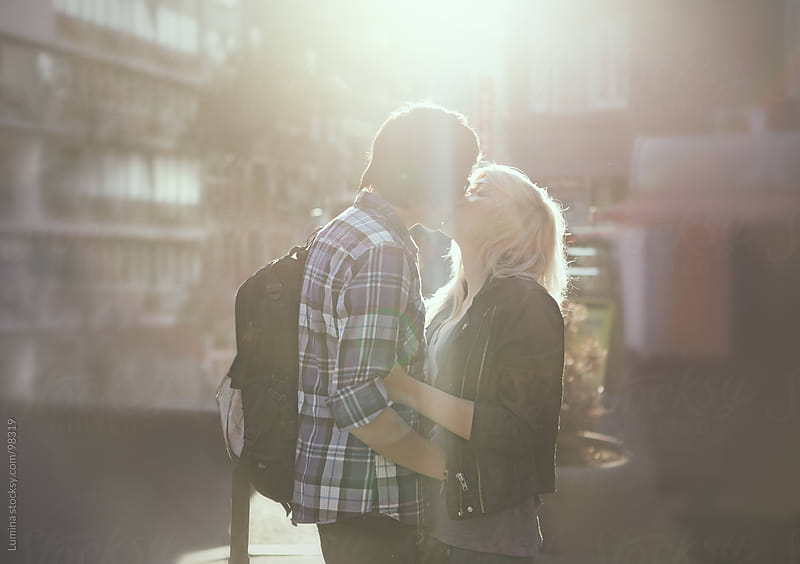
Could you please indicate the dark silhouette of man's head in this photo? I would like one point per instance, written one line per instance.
(421, 157)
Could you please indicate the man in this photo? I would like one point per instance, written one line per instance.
(361, 311)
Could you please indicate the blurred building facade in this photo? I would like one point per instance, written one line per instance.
(295, 152)
(626, 69)
(126, 225)
(156, 152)
(102, 217)
(688, 111)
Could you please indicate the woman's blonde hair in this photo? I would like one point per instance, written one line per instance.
(527, 241)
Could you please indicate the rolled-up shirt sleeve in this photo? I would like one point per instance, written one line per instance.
(371, 310)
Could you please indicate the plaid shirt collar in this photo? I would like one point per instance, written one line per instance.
(373, 204)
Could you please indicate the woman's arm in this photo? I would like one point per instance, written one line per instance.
(389, 435)
(451, 412)
(529, 367)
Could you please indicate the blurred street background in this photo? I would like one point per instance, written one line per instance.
(154, 153)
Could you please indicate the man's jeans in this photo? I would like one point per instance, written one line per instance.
(369, 539)
(432, 551)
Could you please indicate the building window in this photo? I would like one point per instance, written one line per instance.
(189, 182)
(792, 48)
(609, 72)
(118, 260)
(165, 177)
(137, 266)
(126, 271)
(176, 30)
(177, 181)
(541, 86)
(151, 261)
(115, 178)
(547, 60)
(138, 18)
(162, 266)
(120, 14)
(19, 73)
(8, 175)
(196, 267)
(259, 188)
(87, 179)
(140, 177)
(142, 23)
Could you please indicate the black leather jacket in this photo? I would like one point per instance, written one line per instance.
(506, 355)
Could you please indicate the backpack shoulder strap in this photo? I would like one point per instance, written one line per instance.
(301, 251)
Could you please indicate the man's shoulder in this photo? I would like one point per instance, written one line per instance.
(355, 232)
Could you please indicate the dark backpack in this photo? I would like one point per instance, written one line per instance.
(261, 385)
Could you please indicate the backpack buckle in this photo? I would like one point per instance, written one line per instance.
(274, 290)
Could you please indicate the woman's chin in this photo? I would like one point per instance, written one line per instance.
(457, 230)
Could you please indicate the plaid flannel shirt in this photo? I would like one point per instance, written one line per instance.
(361, 311)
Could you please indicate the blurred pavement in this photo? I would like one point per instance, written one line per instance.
(127, 487)
(152, 487)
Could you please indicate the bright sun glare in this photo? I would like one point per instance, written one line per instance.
(441, 39)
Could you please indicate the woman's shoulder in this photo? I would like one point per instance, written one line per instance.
(527, 313)
(525, 295)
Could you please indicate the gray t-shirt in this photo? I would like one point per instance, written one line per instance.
(515, 531)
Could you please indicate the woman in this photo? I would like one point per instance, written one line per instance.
(496, 357)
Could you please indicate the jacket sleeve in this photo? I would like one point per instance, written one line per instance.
(528, 368)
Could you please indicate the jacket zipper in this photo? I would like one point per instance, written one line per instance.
(459, 475)
(477, 391)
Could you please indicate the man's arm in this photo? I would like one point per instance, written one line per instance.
(371, 312)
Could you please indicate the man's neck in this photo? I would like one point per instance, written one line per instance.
(408, 218)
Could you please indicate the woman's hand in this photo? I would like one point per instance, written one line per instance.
(453, 413)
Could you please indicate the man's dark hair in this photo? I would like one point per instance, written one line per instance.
(422, 153)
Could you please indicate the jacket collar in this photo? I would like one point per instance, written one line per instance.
(377, 207)
(493, 285)
(486, 290)
(491, 282)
